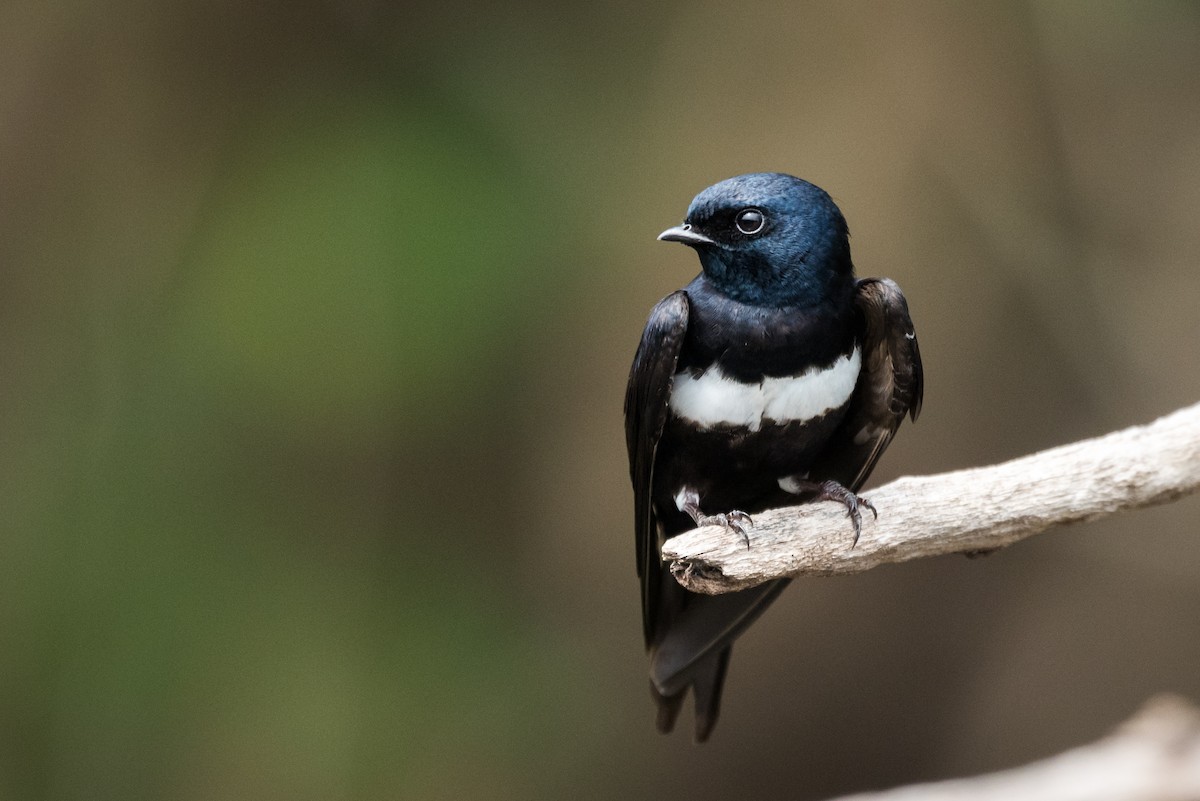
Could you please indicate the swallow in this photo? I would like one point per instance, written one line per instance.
(774, 377)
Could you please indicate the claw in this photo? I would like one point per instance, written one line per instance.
(833, 491)
(741, 517)
(689, 502)
(739, 522)
(734, 521)
(869, 505)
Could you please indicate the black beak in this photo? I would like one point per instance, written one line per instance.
(685, 234)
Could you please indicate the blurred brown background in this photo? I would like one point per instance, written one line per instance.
(314, 325)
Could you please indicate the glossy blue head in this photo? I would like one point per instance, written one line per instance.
(769, 239)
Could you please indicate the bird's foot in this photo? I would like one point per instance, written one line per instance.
(734, 521)
(833, 491)
(689, 502)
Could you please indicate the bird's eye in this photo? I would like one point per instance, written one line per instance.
(750, 221)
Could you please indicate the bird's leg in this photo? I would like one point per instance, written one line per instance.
(688, 501)
(833, 491)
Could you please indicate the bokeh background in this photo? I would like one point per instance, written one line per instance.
(314, 325)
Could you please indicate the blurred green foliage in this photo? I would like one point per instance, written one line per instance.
(220, 584)
(360, 260)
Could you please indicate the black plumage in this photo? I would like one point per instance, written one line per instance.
(773, 376)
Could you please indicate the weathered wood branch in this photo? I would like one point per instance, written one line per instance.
(967, 510)
(1154, 756)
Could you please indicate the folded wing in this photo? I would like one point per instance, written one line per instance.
(890, 385)
(647, 399)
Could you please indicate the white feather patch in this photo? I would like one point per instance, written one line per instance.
(681, 498)
(793, 484)
(715, 399)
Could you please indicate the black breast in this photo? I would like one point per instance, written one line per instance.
(754, 342)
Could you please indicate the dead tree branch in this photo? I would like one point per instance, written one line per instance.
(1154, 756)
(967, 510)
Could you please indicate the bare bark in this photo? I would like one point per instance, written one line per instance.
(1155, 756)
(968, 510)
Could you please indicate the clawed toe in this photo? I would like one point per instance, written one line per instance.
(734, 521)
(689, 503)
(739, 522)
(833, 491)
(869, 505)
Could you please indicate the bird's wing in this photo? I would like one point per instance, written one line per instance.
(889, 386)
(646, 410)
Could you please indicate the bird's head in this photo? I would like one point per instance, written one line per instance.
(769, 239)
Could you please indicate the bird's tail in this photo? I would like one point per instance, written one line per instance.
(693, 651)
(707, 681)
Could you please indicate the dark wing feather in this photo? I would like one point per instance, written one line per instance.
(646, 410)
(890, 386)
